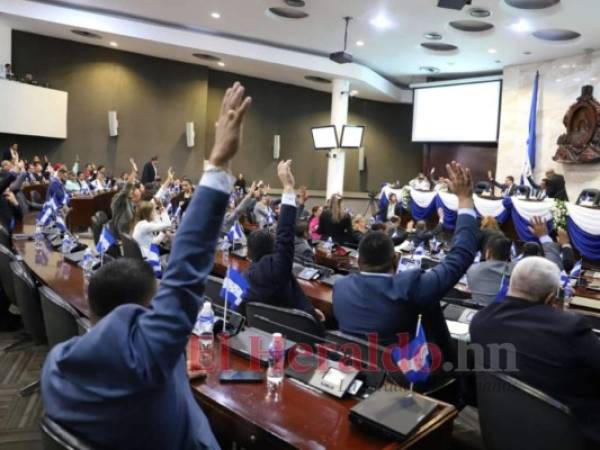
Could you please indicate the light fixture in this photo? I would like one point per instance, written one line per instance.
(353, 93)
(215, 15)
(360, 43)
(433, 36)
(522, 26)
(558, 80)
(113, 44)
(381, 21)
(492, 51)
(221, 64)
(565, 66)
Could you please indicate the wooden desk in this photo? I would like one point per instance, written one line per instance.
(83, 208)
(300, 418)
(42, 188)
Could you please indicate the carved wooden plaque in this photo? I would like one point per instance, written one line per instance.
(581, 143)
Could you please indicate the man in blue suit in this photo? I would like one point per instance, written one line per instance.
(124, 384)
(553, 350)
(378, 301)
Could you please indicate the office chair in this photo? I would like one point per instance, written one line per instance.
(523, 191)
(83, 325)
(482, 186)
(28, 300)
(294, 324)
(60, 318)
(131, 249)
(55, 437)
(590, 196)
(8, 290)
(516, 416)
(36, 198)
(5, 238)
(212, 289)
(98, 221)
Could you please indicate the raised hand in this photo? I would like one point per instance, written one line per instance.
(490, 177)
(284, 172)
(170, 174)
(253, 188)
(460, 182)
(538, 227)
(133, 165)
(302, 194)
(562, 237)
(229, 125)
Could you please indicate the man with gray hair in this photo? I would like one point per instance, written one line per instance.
(554, 351)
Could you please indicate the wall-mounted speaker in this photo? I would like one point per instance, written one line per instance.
(190, 135)
(361, 159)
(276, 146)
(113, 124)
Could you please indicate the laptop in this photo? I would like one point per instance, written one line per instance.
(252, 343)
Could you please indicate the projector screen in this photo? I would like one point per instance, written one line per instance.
(33, 110)
(457, 113)
(324, 138)
(352, 136)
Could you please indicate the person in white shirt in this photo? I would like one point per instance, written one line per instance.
(150, 227)
(99, 184)
(420, 183)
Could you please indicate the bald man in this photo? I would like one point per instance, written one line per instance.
(554, 351)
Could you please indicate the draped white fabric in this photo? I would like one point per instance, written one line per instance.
(421, 198)
(585, 218)
(529, 210)
(488, 207)
(387, 190)
(450, 201)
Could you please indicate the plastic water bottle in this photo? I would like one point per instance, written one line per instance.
(38, 237)
(329, 245)
(204, 325)
(275, 372)
(87, 263)
(67, 244)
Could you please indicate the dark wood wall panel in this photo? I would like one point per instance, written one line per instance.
(478, 157)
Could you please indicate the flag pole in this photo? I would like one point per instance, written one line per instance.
(226, 298)
(416, 333)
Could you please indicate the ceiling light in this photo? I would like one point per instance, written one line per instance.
(113, 44)
(565, 66)
(353, 93)
(381, 21)
(527, 53)
(479, 12)
(360, 43)
(86, 34)
(558, 80)
(522, 26)
(492, 51)
(317, 79)
(215, 15)
(593, 79)
(433, 36)
(221, 64)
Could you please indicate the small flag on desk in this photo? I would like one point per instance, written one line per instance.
(576, 270)
(434, 244)
(414, 359)
(48, 213)
(477, 257)
(503, 291)
(235, 233)
(234, 288)
(153, 258)
(270, 217)
(420, 250)
(106, 240)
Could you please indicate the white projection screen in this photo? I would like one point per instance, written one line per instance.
(457, 113)
(33, 110)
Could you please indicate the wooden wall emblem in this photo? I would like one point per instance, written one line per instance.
(581, 143)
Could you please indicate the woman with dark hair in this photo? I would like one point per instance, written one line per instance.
(334, 222)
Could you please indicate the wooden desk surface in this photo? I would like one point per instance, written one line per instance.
(300, 417)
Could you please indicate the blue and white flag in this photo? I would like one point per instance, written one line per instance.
(477, 258)
(529, 164)
(106, 240)
(48, 213)
(235, 233)
(270, 216)
(434, 244)
(153, 258)
(234, 288)
(503, 291)
(414, 359)
(566, 279)
(576, 270)
(420, 250)
(513, 252)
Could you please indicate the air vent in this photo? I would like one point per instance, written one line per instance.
(433, 36)
(207, 57)
(556, 35)
(429, 69)
(471, 26)
(532, 4)
(86, 34)
(295, 3)
(287, 13)
(317, 79)
(480, 13)
(439, 47)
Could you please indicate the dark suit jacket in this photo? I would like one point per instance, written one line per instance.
(271, 279)
(124, 384)
(504, 187)
(148, 173)
(340, 232)
(556, 352)
(389, 304)
(382, 213)
(423, 237)
(9, 213)
(556, 187)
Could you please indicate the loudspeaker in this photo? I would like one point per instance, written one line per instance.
(276, 146)
(190, 135)
(453, 4)
(113, 124)
(361, 159)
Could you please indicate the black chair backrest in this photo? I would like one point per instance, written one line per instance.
(6, 275)
(56, 437)
(36, 197)
(28, 300)
(294, 324)
(523, 190)
(591, 195)
(514, 415)
(131, 249)
(482, 186)
(212, 289)
(98, 221)
(5, 238)
(60, 318)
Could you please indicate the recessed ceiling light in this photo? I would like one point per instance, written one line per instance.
(221, 64)
(532, 4)
(287, 13)
(593, 79)
(558, 80)
(353, 93)
(295, 3)
(439, 46)
(113, 44)
(206, 57)
(381, 21)
(492, 51)
(522, 26)
(317, 79)
(215, 15)
(565, 66)
(360, 43)
(479, 12)
(556, 35)
(471, 26)
(576, 80)
(86, 34)
(433, 36)
(527, 53)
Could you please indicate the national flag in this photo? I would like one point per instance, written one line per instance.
(576, 270)
(153, 258)
(529, 164)
(383, 204)
(414, 359)
(270, 216)
(420, 250)
(48, 213)
(234, 288)
(477, 258)
(434, 244)
(402, 266)
(503, 291)
(235, 233)
(106, 240)
(513, 252)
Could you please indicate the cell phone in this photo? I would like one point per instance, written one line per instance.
(241, 376)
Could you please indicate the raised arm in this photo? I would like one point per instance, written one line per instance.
(539, 229)
(162, 334)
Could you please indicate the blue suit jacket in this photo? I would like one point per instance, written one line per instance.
(555, 352)
(389, 304)
(124, 384)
